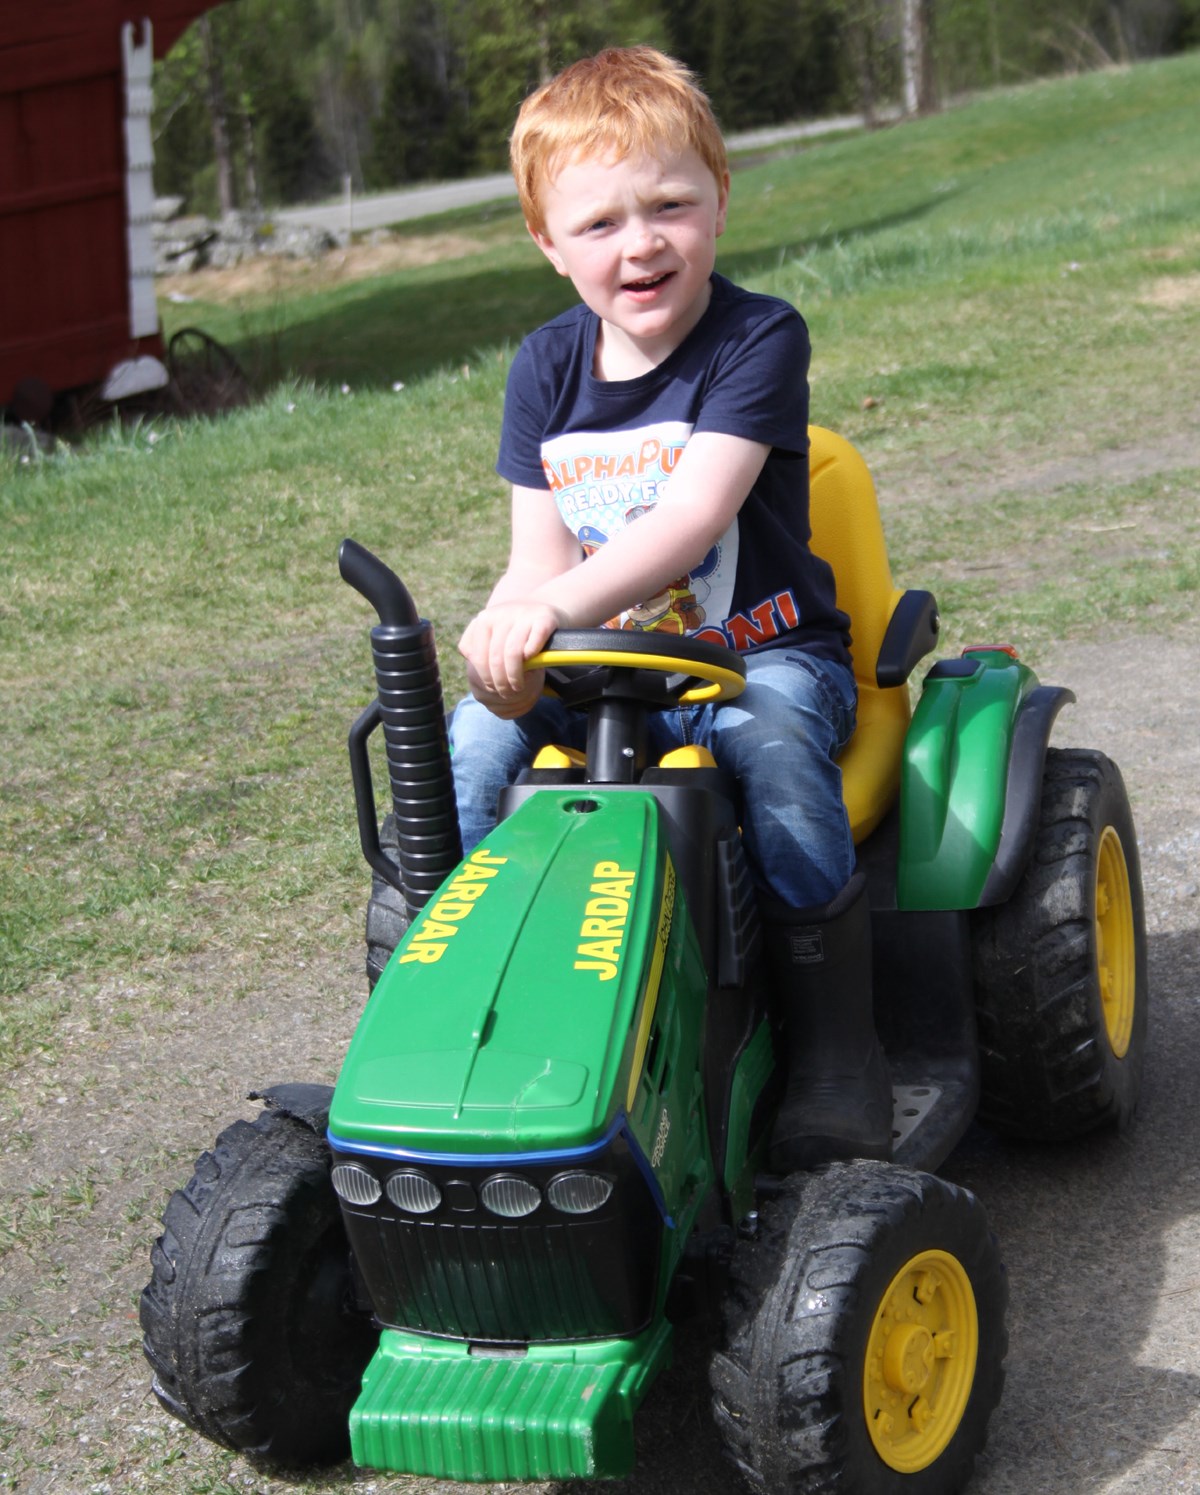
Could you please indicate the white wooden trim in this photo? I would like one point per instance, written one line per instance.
(139, 177)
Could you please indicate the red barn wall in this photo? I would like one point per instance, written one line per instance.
(64, 261)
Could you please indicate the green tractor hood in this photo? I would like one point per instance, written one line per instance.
(515, 1014)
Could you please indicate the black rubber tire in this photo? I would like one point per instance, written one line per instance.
(387, 915)
(788, 1387)
(1049, 1069)
(248, 1318)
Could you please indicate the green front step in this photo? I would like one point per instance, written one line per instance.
(434, 1407)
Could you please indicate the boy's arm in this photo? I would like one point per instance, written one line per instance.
(542, 548)
(711, 481)
(707, 488)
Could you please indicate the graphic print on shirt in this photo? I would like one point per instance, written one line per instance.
(603, 482)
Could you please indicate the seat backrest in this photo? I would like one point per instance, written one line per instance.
(848, 533)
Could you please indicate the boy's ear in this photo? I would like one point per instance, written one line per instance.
(722, 204)
(546, 244)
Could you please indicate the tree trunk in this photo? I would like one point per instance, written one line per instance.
(214, 96)
(544, 52)
(249, 160)
(916, 26)
(859, 33)
(994, 42)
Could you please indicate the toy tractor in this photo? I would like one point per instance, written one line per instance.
(547, 1142)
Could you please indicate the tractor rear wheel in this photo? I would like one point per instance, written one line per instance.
(249, 1317)
(865, 1336)
(1060, 969)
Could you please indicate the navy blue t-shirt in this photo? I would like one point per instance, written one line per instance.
(606, 449)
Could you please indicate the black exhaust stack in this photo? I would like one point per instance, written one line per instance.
(411, 710)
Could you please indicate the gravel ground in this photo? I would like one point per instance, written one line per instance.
(1100, 1238)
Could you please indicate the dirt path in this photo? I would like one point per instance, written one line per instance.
(1103, 1389)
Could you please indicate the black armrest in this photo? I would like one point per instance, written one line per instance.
(912, 632)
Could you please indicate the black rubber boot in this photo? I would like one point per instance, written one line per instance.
(838, 1101)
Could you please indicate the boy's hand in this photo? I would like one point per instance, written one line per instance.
(496, 643)
(507, 706)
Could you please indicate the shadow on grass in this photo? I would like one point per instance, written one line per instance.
(379, 331)
(375, 332)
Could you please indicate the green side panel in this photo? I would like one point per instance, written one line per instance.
(753, 1072)
(953, 780)
(509, 1017)
(432, 1407)
(666, 1105)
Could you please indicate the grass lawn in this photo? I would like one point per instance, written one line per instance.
(1005, 310)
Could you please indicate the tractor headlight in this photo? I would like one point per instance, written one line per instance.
(509, 1196)
(413, 1192)
(579, 1193)
(355, 1185)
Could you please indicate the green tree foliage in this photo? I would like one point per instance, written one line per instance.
(422, 129)
(773, 60)
(265, 50)
(1002, 41)
(1188, 32)
(389, 91)
(511, 46)
(183, 141)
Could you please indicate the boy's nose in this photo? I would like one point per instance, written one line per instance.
(644, 238)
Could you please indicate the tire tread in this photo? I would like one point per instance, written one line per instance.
(781, 1382)
(213, 1313)
(1048, 1072)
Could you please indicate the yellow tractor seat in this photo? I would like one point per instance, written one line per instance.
(891, 628)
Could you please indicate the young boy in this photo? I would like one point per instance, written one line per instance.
(656, 440)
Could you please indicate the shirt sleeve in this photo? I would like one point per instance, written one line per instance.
(523, 424)
(758, 384)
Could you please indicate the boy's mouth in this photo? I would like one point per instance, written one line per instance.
(647, 283)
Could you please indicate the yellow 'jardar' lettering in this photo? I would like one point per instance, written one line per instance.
(439, 923)
(604, 918)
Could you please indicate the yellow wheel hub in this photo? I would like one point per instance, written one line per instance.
(1116, 965)
(920, 1361)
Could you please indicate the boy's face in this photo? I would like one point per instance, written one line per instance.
(638, 240)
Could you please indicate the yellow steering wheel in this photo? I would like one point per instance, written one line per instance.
(587, 664)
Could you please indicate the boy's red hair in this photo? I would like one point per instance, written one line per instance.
(621, 102)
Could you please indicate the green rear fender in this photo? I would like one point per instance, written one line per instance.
(971, 780)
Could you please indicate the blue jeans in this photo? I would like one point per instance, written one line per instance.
(779, 738)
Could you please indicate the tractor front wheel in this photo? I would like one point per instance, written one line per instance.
(249, 1318)
(1060, 969)
(865, 1336)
